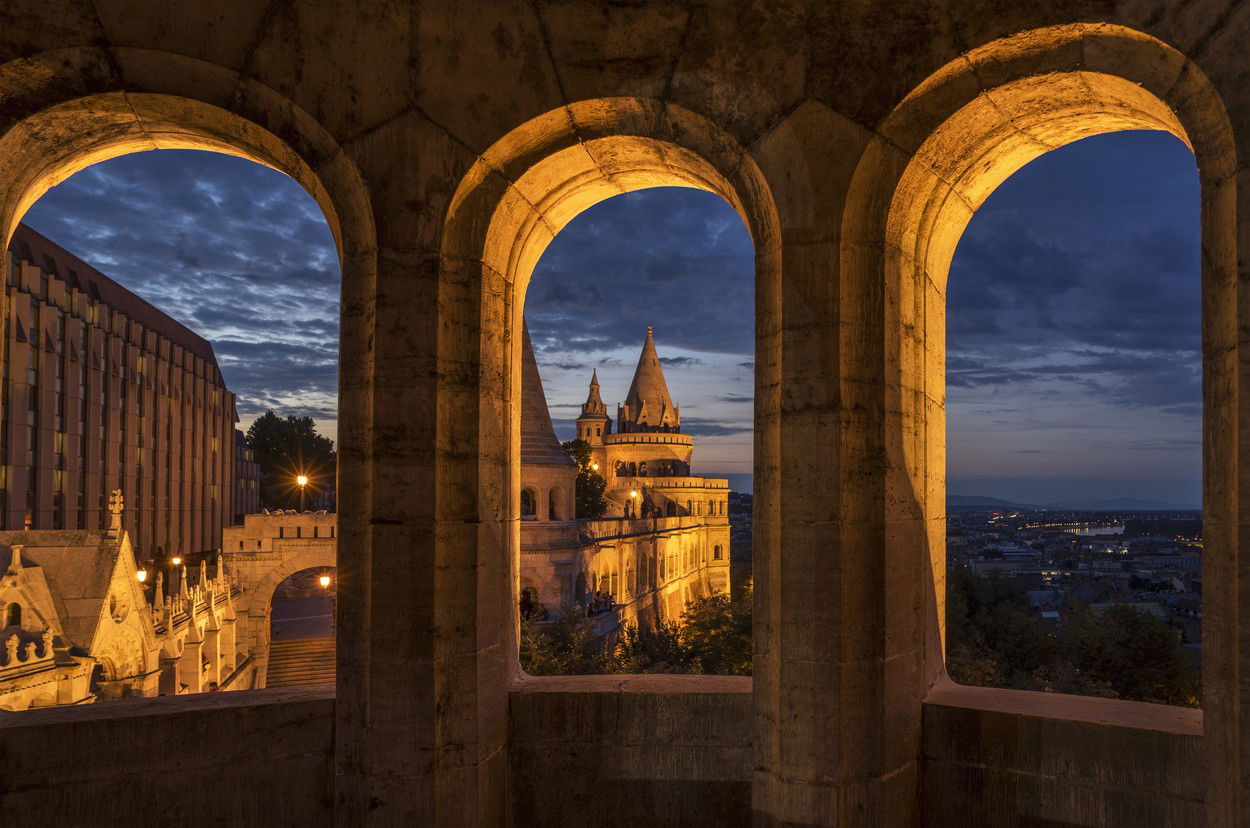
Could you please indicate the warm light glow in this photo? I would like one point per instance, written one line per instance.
(302, 479)
(595, 466)
(141, 575)
(324, 580)
(633, 493)
(177, 561)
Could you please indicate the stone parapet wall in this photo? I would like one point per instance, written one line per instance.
(995, 757)
(631, 750)
(257, 757)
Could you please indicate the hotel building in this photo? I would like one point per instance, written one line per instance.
(101, 391)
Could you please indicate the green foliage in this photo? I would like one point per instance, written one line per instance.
(717, 631)
(995, 640)
(590, 485)
(713, 637)
(286, 447)
(566, 646)
(658, 648)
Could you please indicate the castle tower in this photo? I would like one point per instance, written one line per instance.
(648, 406)
(594, 423)
(548, 474)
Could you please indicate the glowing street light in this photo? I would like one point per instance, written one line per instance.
(176, 561)
(594, 467)
(633, 492)
(324, 580)
(302, 480)
(141, 575)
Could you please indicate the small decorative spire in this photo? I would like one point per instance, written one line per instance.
(15, 559)
(47, 644)
(221, 566)
(203, 573)
(29, 651)
(10, 648)
(116, 505)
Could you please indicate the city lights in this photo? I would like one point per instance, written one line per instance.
(141, 575)
(176, 560)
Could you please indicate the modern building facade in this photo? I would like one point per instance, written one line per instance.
(103, 391)
(246, 480)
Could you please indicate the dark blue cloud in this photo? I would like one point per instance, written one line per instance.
(236, 251)
(1074, 311)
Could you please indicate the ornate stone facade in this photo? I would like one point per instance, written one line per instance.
(79, 625)
(664, 540)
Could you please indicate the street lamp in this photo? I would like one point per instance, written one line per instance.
(176, 561)
(324, 580)
(141, 575)
(633, 498)
(301, 480)
(594, 467)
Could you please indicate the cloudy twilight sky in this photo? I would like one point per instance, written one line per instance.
(237, 252)
(1073, 367)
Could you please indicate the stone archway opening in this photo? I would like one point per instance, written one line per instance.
(1073, 396)
(523, 192)
(48, 145)
(962, 133)
(301, 629)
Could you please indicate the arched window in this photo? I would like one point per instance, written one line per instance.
(716, 552)
(670, 509)
(711, 507)
(13, 615)
(690, 507)
(529, 508)
(553, 507)
(642, 469)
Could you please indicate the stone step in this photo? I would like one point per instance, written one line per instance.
(301, 661)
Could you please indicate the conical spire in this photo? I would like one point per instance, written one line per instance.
(538, 437)
(594, 407)
(648, 406)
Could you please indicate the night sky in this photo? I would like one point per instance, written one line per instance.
(1073, 368)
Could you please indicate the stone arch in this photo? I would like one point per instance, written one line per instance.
(256, 603)
(519, 194)
(529, 502)
(555, 504)
(943, 150)
(13, 615)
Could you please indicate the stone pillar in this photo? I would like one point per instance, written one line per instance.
(190, 671)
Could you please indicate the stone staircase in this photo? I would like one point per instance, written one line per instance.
(300, 661)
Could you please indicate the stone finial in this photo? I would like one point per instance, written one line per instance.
(221, 566)
(29, 651)
(158, 597)
(116, 505)
(203, 572)
(47, 644)
(15, 559)
(10, 648)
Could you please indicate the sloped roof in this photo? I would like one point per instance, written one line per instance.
(539, 445)
(649, 392)
(78, 567)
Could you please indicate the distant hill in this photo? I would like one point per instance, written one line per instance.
(983, 502)
(1121, 504)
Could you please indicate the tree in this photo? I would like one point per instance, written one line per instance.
(717, 632)
(288, 447)
(567, 646)
(590, 485)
